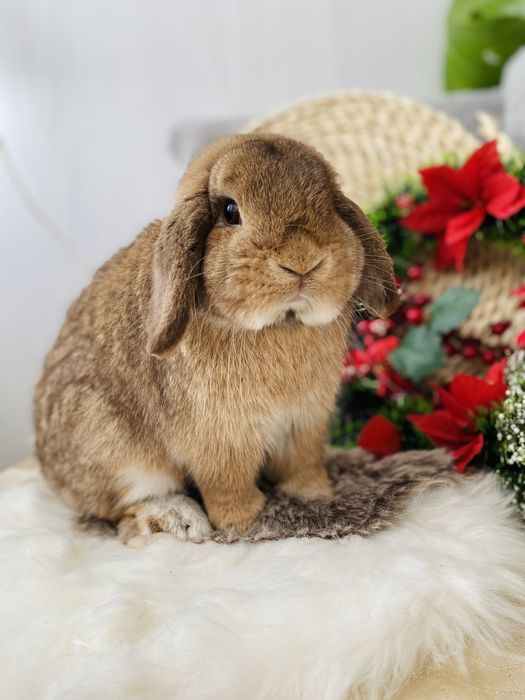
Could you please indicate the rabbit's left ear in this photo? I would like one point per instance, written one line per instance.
(377, 290)
(177, 263)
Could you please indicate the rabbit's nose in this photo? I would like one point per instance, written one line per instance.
(301, 271)
(290, 270)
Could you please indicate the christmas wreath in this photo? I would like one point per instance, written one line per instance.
(396, 393)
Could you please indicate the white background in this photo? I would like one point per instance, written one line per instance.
(90, 92)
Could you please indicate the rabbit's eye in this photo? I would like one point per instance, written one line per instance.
(231, 213)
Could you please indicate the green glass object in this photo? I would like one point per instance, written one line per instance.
(482, 35)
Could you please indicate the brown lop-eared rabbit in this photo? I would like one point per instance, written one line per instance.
(210, 349)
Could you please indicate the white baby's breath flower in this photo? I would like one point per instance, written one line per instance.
(510, 427)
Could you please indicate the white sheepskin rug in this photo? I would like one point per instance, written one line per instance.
(83, 617)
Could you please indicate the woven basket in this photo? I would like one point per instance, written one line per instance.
(371, 138)
(374, 138)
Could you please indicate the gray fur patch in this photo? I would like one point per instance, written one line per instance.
(369, 495)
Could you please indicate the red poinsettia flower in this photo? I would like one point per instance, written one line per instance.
(364, 361)
(374, 360)
(391, 383)
(378, 352)
(380, 436)
(460, 199)
(496, 375)
(520, 340)
(454, 425)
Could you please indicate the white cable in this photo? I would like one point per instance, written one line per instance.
(36, 210)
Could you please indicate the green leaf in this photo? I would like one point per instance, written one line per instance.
(419, 354)
(452, 308)
(482, 35)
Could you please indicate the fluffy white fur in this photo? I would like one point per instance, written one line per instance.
(83, 617)
(309, 311)
(142, 483)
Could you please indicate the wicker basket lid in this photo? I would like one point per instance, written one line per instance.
(373, 138)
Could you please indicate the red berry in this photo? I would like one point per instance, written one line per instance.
(399, 285)
(368, 340)
(348, 359)
(363, 326)
(414, 316)
(521, 304)
(415, 272)
(488, 356)
(348, 374)
(378, 326)
(398, 316)
(404, 201)
(469, 350)
(450, 349)
(421, 299)
(500, 328)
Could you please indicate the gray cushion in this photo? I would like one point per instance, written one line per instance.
(507, 103)
(465, 104)
(189, 137)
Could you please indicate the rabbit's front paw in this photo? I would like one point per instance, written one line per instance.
(176, 515)
(239, 515)
(308, 487)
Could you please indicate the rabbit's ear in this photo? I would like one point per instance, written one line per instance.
(377, 290)
(177, 266)
(179, 250)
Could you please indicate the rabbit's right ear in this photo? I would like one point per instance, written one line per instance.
(179, 250)
(177, 266)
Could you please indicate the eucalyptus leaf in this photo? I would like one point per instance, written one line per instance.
(452, 308)
(419, 354)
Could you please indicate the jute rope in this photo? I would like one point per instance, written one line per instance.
(377, 138)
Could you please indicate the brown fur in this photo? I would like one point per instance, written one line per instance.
(180, 359)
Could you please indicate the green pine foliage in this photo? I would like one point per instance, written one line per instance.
(358, 402)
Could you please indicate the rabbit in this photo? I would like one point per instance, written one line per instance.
(210, 350)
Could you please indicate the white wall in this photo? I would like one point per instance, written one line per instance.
(90, 91)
